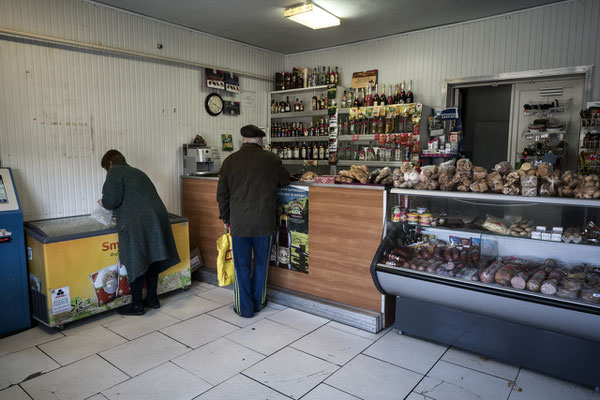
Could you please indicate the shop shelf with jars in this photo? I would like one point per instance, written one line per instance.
(476, 275)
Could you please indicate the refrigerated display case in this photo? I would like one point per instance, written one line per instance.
(75, 272)
(479, 280)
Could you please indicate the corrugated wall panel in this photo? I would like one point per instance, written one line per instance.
(565, 34)
(61, 108)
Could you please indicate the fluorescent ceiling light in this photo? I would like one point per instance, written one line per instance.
(312, 16)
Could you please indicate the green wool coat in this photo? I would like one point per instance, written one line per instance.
(145, 234)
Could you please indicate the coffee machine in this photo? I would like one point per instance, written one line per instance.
(200, 159)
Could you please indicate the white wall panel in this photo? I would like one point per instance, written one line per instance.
(561, 35)
(61, 108)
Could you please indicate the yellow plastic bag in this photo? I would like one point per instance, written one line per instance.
(225, 270)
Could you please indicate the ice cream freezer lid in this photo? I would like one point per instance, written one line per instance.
(69, 228)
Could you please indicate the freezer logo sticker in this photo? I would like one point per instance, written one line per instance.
(106, 246)
(61, 300)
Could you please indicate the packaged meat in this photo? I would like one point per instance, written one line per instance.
(549, 287)
(505, 274)
(567, 294)
(496, 225)
(455, 254)
(519, 281)
(571, 283)
(591, 295)
(488, 274)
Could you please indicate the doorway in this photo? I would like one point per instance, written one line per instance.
(486, 123)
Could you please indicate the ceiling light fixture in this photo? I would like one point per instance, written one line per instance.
(311, 15)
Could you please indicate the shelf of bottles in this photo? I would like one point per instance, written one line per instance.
(303, 78)
(589, 147)
(297, 153)
(380, 133)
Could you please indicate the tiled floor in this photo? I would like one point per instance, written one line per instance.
(196, 347)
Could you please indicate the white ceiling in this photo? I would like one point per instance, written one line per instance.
(260, 22)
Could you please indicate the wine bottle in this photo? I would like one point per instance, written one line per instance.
(301, 105)
(297, 105)
(382, 98)
(344, 99)
(402, 94)
(314, 101)
(287, 104)
(337, 76)
(284, 244)
(410, 97)
(322, 77)
(376, 96)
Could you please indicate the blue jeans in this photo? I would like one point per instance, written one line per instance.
(250, 287)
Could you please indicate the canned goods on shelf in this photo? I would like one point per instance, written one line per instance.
(425, 219)
(421, 210)
(396, 213)
(413, 218)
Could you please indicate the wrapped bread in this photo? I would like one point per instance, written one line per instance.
(464, 165)
(479, 173)
(479, 186)
(503, 168)
(543, 170)
(511, 190)
(512, 179)
(446, 182)
(549, 187)
(529, 186)
(495, 181)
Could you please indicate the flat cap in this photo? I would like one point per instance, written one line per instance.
(251, 131)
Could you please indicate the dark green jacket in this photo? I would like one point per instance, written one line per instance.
(145, 234)
(247, 191)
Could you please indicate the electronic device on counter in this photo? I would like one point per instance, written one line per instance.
(199, 159)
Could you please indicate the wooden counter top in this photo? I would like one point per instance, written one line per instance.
(345, 228)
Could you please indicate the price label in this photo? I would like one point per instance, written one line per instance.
(355, 137)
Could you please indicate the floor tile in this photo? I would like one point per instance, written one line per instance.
(16, 367)
(481, 363)
(448, 381)
(368, 378)
(330, 344)
(291, 372)
(98, 396)
(26, 339)
(85, 324)
(226, 313)
(202, 286)
(266, 336)
(144, 353)
(324, 391)
(241, 387)
(76, 381)
(166, 381)
(77, 347)
(189, 307)
(219, 295)
(297, 319)
(359, 332)
(135, 326)
(14, 393)
(532, 386)
(176, 295)
(199, 330)
(276, 306)
(407, 352)
(218, 361)
(417, 396)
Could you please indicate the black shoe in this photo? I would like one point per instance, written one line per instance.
(131, 310)
(152, 303)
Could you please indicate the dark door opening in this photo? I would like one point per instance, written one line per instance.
(486, 118)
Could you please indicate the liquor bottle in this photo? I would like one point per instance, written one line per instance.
(303, 151)
(321, 152)
(390, 99)
(323, 103)
(297, 153)
(308, 152)
(328, 76)
(301, 106)
(382, 98)
(396, 95)
(344, 99)
(337, 76)
(272, 106)
(294, 78)
(284, 244)
(332, 78)
(350, 98)
(410, 97)
(297, 105)
(356, 102)
(322, 77)
(403, 94)
(287, 105)
(314, 101)
(376, 96)
(368, 98)
(315, 152)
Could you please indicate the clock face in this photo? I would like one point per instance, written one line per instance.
(214, 104)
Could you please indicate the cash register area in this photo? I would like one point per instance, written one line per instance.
(196, 347)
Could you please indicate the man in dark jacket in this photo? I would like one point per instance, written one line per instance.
(146, 243)
(247, 196)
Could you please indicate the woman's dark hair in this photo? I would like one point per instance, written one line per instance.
(112, 156)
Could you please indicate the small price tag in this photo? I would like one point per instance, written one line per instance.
(355, 137)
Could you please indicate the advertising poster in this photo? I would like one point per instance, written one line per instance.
(290, 244)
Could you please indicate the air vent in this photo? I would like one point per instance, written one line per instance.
(551, 92)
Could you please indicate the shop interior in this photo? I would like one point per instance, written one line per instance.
(442, 223)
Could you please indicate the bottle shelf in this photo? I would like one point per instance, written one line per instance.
(452, 155)
(300, 139)
(302, 90)
(306, 162)
(361, 138)
(347, 163)
(300, 114)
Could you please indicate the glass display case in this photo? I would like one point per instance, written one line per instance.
(485, 272)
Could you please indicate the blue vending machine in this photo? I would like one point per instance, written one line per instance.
(14, 298)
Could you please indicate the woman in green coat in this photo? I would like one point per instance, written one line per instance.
(146, 243)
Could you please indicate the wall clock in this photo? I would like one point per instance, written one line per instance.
(214, 104)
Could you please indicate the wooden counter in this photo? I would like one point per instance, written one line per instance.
(345, 228)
